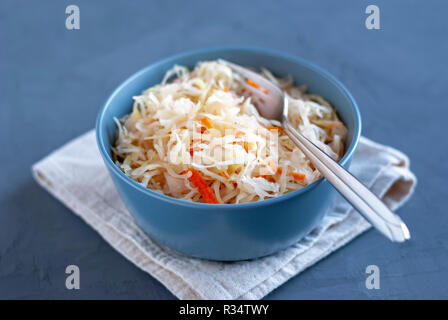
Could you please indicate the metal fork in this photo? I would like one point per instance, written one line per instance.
(273, 106)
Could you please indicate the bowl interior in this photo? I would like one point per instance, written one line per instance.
(302, 71)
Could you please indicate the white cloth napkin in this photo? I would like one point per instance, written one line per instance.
(76, 175)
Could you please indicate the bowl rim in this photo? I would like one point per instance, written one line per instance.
(224, 207)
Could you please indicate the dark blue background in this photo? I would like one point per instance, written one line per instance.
(53, 82)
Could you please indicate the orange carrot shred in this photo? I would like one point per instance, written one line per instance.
(202, 186)
(335, 125)
(269, 178)
(206, 122)
(252, 84)
(224, 174)
(226, 89)
(256, 86)
(297, 176)
(136, 164)
(274, 129)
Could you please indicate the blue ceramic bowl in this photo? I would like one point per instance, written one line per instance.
(228, 231)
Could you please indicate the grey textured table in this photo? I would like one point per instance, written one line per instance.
(53, 82)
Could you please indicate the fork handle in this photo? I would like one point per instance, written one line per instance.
(361, 198)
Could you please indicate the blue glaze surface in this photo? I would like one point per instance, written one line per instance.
(54, 81)
(237, 231)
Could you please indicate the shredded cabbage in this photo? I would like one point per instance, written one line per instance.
(202, 120)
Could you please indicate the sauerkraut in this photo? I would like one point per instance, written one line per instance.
(197, 136)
